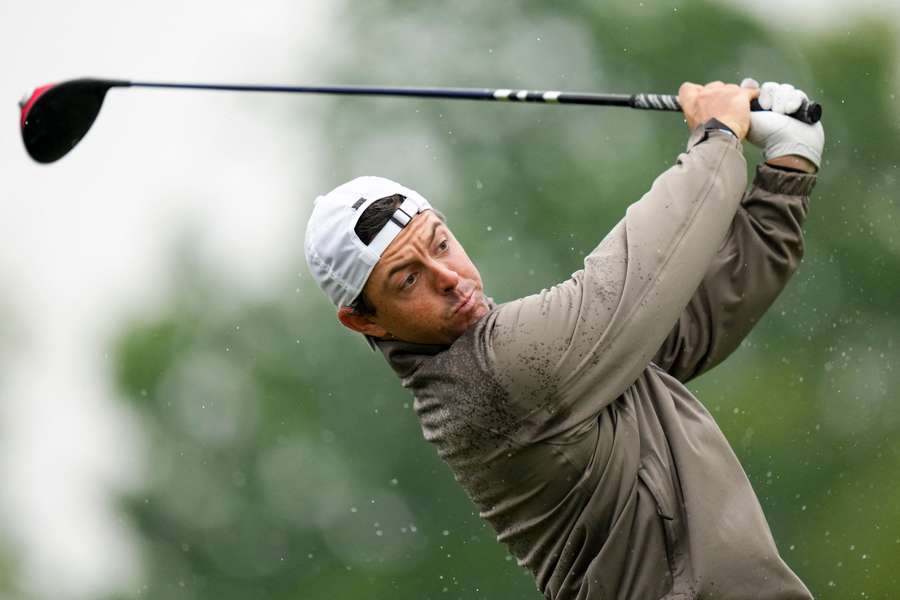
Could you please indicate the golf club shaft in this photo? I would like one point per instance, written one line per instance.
(547, 97)
(809, 112)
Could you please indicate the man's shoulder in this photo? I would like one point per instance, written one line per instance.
(459, 397)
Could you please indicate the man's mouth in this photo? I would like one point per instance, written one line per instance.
(466, 304)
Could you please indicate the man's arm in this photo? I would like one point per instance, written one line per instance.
(762, 250)
(574, 348)
(765, 242)
(583, 342)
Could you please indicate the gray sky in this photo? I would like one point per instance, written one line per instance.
(82, 241)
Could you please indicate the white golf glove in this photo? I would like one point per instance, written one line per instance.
(778, 134)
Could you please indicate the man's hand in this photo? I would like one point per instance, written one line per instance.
(785, 141)
(729, 104)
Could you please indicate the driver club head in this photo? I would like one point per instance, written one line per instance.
(56, 116)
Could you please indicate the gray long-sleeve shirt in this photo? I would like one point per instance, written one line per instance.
(564, 415)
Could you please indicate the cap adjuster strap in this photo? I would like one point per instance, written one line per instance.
(400, 219)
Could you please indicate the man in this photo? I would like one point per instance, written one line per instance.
(563, 414)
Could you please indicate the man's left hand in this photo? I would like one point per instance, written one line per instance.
(786, 142)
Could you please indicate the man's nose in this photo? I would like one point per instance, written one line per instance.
(446, 278)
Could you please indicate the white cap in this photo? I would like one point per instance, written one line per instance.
(338, 260)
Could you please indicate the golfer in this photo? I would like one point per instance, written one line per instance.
(564, 414)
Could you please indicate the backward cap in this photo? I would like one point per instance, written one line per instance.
(338, 260)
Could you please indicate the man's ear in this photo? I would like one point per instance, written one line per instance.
(360, 323)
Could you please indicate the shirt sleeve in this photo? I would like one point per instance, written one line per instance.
(762, 250)
(572, 349)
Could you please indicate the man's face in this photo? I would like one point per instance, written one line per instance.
(424, 288)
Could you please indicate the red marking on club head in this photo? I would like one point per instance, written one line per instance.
(35, 95)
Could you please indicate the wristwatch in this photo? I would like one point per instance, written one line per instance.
(716, 125)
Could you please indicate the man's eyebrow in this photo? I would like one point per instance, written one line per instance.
(405, 263)
(433, 230)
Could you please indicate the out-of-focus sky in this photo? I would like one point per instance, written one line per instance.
(83, 241)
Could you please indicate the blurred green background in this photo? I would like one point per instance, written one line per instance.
(286, 459)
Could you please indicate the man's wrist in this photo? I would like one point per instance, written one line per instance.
(717, 125)
(792, 162)
(780, 180)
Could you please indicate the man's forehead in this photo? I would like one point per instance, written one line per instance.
(419, 227)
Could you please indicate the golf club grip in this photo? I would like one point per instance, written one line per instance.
(809, 112)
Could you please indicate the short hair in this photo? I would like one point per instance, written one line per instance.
(373, 219)
(370, 223)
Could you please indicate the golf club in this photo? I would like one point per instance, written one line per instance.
(56, 116)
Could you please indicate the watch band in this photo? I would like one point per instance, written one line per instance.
(715, 124)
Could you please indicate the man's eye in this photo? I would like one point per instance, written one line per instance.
(410, 280)
(443, 246)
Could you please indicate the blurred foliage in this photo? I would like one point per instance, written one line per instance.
(286, 459)
(13, 338)
(11, 579)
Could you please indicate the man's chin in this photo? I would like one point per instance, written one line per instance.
(481, 310)
(457, 324)
(477, 312)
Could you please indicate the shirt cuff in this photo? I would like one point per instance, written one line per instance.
(779, 181)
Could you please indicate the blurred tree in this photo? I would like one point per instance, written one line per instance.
(10, 579)
(13, 337)
(286, 461)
